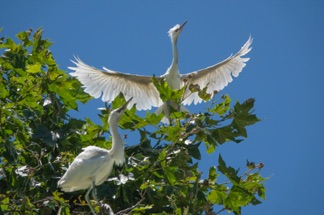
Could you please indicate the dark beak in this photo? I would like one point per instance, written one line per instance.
(122, 108)
(182, 25)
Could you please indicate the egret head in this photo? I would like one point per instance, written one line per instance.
(175, 31)
(116, 114)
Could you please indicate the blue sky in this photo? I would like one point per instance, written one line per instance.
(284, 74)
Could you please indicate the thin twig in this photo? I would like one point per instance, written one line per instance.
(131, 208)
(220, 211)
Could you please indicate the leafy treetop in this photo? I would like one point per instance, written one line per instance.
(39, 139)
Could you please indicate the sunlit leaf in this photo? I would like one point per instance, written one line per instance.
(3, 92)
(166, 92)
(161, 173)
(204, 95)
(216, 197)
(34, 68)
(212, 176)
(223, 107)
(4, 204)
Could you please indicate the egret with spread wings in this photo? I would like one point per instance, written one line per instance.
(109, 83)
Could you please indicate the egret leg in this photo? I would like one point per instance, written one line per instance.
(105, 207)
(94, 194)
(88, 201)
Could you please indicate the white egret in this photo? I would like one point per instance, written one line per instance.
(93, 166)
(109, 83)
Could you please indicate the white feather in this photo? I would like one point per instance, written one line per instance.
(109, 83)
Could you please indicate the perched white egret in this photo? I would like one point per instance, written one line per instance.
(93, 166)
(109, 83)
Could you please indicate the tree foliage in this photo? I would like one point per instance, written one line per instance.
(39, 139)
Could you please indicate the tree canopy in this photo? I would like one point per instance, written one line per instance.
(39, 139)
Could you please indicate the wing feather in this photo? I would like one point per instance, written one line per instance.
(218, 76)
(93, 164)
(109, 84)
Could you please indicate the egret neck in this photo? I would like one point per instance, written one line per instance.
(172, 76)
(117, 150)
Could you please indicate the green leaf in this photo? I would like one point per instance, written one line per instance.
(55, 73)
(11, 45)
(34, 68)
(254, 183)
(172, 133)
(194, 88)
(4, 204)
(38, 133)
(24, 36)
(229, 172)
(261, 192)
(212, 176)
(118, 101)
(204, 95)
(3, 92)
(178, 115)
(223, 107)
(169, 172)
(226, 133)
(163, 88)
(239, 197)
(245, 107)
(193, 150)
(141, 209)
(216, 197)
(166, 92)
(161, 157)
(243, 116)
(45, 135)
(208, 137)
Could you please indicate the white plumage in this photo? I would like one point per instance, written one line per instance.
(81, 174)
(110, 83)
(93, 166)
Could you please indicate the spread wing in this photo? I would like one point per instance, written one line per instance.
(110, 83)
(218, 76)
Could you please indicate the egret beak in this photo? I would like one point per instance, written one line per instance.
(181, 27)
(122, 108)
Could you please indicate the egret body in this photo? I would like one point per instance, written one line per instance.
(93, 166)
(109, 83)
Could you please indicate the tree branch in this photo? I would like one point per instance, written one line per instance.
(131, 208)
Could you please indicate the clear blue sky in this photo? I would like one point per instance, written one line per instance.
(285, 73)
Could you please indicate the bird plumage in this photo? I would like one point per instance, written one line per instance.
(218, 76)
(81, 174)
(110, 83)
(94, 164)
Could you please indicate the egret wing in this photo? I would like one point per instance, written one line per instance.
(218, 76)
(93, 164)
(110, 83)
